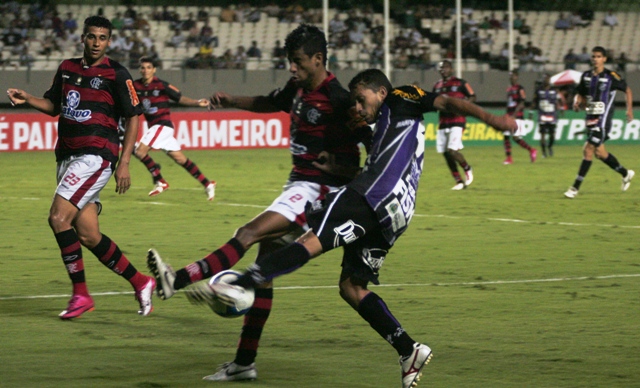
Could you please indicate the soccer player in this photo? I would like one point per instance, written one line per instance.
(596, 93)
(451, 126)
(516, 98)
(369, 214)
(319, 109)
(155, 94)
(548, 102)
(90, 94)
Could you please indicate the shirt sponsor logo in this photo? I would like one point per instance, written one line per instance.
(70, 112)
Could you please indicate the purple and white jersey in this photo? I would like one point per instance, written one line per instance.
(389, 179)
(599, 91)
(546, 101)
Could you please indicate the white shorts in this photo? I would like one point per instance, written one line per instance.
(294, 198)
(449, 139)
(81, 178)
(160, 137)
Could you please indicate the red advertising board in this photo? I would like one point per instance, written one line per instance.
(193, 130)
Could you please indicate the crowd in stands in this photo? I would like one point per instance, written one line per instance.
(360, 31)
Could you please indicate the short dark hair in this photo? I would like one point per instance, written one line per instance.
(148, 60)
(97, 21)
(309, 38)
(513, 72)
(371, 79)
(599, 49)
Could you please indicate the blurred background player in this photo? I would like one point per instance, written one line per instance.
(596, 93)
(516, 98)
(451, 126)
(319, 110)
(90, 94)
(547, 101)
(155, 94)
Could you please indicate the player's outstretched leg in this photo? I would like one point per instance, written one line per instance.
(231, 371)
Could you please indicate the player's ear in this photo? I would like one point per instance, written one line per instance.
(383, 92)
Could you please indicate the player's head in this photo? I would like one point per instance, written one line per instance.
(445, 68)
(513, 76)
(96, 36)
(369, 89)
(97, 21)
(147, 68)
(306, 48)
(546, 80)
(598, 57)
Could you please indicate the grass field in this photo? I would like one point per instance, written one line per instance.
(511, 284)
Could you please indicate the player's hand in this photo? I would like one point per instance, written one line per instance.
(325, 162)
(123, 178)
(629, 116)
(203, 103)
(17, 96)
(219, 100)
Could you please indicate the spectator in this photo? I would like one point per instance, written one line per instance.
(176, 39)
(485, 24)
(610, 19)
(518, 48)
(622, 61)
(141, 24)
(355, 37)
(202, 15)
(206, 34)
(333, 61)
(193, 36)
(117, 22)
(254, 51)
(130, 12)
(518, 22)
(563, 23)
(254, 15)
(147, 40)
(189, 23)
(26, 59)
(49, 45)
(226, 60)
(279, 51)
(584, 56)
(402, 60)
(228, 14)
(240, 58)
(70, 23)
(577, 21)
(570, 59)
(525, 29)
(336, 25)
(494, 22)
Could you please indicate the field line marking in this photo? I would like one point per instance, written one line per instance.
(478, 283)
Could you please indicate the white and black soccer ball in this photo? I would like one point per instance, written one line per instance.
(224, 310)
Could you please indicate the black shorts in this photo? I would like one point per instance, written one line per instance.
(547, 128)
(344, 218)
(597, 136)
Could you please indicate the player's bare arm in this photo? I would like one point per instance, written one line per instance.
(628, 95)
(578, 102)
(186, 101)
(258, 104)
(466, 108)
(122, 175)
(18, 97)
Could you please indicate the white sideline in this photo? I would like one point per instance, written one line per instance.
(489, 282)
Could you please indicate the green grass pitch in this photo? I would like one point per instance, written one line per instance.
(511, 284)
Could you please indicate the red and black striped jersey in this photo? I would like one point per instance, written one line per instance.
(319, 121)
(155, 100)
(515, 95)
(90, 100)
(456, 88)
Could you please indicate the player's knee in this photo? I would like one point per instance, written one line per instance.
(140, 154)
(88, 240)
(248, 235)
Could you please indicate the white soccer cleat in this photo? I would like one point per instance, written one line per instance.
(413, 364)
(232, 295)
(459, 186)
(161, 186)
(469, 175)
(231, 371)
(626, 181)
(164, 274)
(571, 193)
(211, 190)
(143, 296)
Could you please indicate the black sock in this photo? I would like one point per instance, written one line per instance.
(373, 309)
(584, 168)
(612, 162)
(274, 264)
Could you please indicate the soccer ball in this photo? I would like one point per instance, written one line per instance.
(222, 309)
